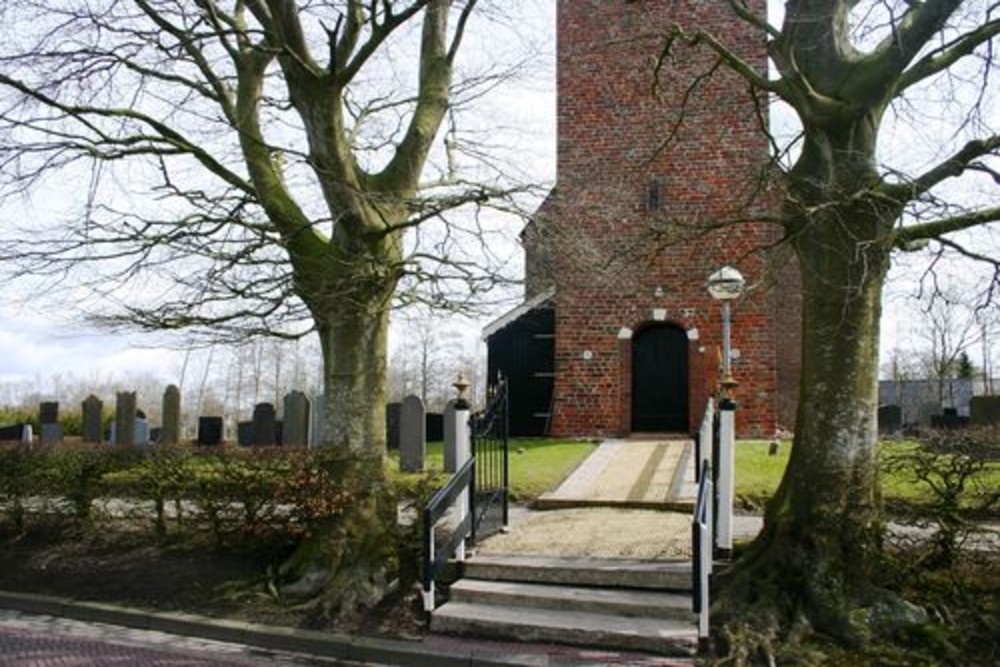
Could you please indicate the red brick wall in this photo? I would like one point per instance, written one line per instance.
(612, 252)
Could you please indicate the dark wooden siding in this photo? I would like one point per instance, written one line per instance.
(524, 351)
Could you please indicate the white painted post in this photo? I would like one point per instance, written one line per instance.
(463, 452)
(727, 441)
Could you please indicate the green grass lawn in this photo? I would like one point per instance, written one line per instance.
(536, 466)
(758, 474)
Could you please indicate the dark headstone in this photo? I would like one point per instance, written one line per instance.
(48, 412)
(984, 410)
(772, 449)
(244, 434)
(434, 426)
(264, 428)
(12, 433)
(295, 429)
(52, 434)
(155, 435)
(93, 418)
(125, 416)
(412, 435)
(209, 431)
(949, 420)
(317, 416)
(890, 419)
(279, 432)
(392, 425)
(170, 434)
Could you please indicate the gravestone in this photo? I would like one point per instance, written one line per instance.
(209, 431)
(244, 434)
(412, 435)
(52, 434)
(125, 415)
(450, 443)
(279, 432)
(317, 414)
(48, 412)
(12, 433)
(435, 426)
(140, 432)
(890, 419)
(92, 410)
(264, 429)
(170, 433)
(392, 425)
(984, 410)
(155, 434)
(295, 432)
(48, 418)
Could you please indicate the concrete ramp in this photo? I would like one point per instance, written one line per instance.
(634, 474)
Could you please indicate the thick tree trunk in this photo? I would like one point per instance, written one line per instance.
(809, 569)
(349, 559)
(354, 373)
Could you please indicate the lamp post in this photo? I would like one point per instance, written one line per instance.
(725, 285)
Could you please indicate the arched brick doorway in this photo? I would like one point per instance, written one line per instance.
(660, 377)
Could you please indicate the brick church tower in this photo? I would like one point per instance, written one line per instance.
(660, 179)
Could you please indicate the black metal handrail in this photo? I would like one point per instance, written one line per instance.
(435, 559)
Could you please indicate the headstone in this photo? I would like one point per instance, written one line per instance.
(984, 410)
(140, 432)
(890, 419)
(209, 431)
(772, 449)
(155, 434)
(264, 434)
(279, 432)
(244, 434)
(450, 443)
(295, 431)
(52, 434)
(12, 433)
(48, 418)
(48, 412)
(412, 435)
(392, 425)
(435, 426)
(125, 414)
(92, 410)
(170, 433)
(317, 415)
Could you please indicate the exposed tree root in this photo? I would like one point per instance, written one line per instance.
(785, 594)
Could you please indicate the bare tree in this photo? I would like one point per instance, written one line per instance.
(842, 67)
(280, 151)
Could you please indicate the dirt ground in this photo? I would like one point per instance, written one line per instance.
(194, 578)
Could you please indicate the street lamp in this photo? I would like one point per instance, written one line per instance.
(725, 285)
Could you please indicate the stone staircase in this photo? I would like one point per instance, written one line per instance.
(620, 604)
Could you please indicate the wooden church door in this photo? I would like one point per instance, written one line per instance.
(660, 380)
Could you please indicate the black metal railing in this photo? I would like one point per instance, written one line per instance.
(491, 449)
(436, 558)
(485, 477)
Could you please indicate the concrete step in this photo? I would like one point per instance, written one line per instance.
(610, 573)
(617, 602)
(664, 636)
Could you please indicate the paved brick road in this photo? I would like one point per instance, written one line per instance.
(46, 641)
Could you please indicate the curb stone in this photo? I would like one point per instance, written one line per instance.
(327, 645)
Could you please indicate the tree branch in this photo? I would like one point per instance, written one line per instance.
(904, 236)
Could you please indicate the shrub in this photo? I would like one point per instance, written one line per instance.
(957, 471)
